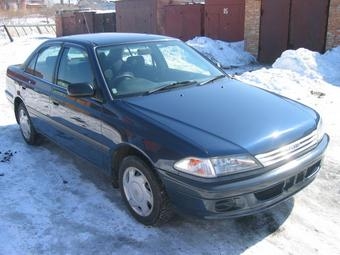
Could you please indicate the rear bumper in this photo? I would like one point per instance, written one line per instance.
(10, 90)
(248, 196)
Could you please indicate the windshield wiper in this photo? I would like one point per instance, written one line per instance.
(170, 86)
(213, 79)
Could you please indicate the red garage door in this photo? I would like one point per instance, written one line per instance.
(188, 21)
(224, 19)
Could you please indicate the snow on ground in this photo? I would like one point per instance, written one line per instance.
(227, 54)
(52, 202)
(26, 20)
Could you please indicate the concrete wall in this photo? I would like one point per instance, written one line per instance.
(333, 33)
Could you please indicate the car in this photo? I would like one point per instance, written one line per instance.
(171, 129)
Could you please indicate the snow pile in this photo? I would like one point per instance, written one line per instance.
(312, 64)
(227, 54)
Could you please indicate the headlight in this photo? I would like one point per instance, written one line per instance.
(320, 132)
(217, 166)
(196, 166)
(233, 164)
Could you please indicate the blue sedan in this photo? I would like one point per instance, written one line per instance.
(172, 130)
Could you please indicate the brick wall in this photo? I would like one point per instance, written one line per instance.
(252, 26)
(333, 33)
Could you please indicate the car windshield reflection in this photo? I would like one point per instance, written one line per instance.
(144, 68)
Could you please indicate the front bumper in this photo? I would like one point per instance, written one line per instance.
(217, 199)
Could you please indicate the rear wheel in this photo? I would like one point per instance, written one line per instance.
(143, 193)
(27, 130)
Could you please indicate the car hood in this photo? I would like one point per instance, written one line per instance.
(228, 111)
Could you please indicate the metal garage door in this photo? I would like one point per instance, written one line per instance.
(274, 30)
(308, 24)
(292, 24)
(188, 21)
(224, 19)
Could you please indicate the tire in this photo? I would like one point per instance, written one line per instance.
(143, 193)
(27, 130)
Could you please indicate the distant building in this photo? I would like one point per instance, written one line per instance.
(22, 4)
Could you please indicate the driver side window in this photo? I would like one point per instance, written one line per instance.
(75, 68)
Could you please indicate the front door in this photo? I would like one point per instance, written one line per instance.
(77, 119)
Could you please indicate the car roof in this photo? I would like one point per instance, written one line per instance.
(101, 39)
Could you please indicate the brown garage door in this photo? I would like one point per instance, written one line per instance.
(224, 19)
(292, 24)
(274, 29)
(188, 21)
(308, 24)
(136, 16)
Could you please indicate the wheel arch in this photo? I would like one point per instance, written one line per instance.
(17, 102)
(123, 151)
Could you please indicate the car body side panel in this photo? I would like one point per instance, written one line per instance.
(35, 93)
(77, 125)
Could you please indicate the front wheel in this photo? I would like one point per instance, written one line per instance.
(27, 130)
(143, 193)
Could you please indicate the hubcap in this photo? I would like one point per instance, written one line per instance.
(24, 124)
(138, 191)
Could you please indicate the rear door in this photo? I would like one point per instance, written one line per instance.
(36, 85)
(77, 119)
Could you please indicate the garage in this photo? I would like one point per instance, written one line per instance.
(291, 24)
(272, 27)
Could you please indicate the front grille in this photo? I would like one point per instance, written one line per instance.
(225, 205)
(288, 151)
(278, 188)
(270, 193)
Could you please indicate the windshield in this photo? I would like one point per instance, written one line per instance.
(139, 68)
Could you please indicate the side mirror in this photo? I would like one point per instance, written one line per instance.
(80, 90)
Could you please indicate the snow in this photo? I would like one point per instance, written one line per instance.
(312, 64)
(227, 54)
(52, 202)
(27, 20)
